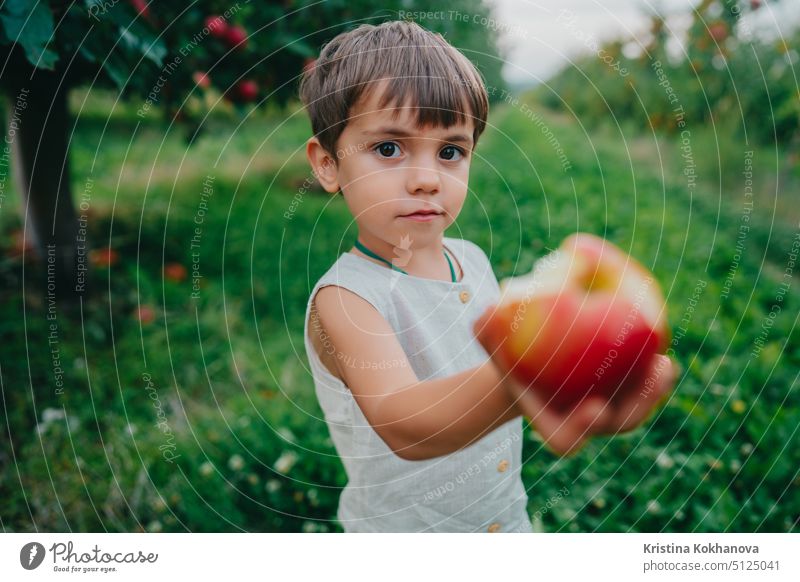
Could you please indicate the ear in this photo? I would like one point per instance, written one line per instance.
(323, 165)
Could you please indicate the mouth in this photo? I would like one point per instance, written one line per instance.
(422, 214)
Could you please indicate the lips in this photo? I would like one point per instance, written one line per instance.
(422, 213)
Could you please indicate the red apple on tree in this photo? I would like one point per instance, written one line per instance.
(586, 321)
(217, 26)
(236, 37)
(141, 6)
(244, 91)
(201, 79)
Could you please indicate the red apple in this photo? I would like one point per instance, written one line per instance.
(586, 320)
(201, 79)
(718, 31)
(141, 7)
(104, 257)
(236, 37)
(244, 91)
(217, 26)
(175, 272)
(145, 314)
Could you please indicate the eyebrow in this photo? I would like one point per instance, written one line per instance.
(399, 132)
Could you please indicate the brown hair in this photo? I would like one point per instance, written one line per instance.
(417, 64)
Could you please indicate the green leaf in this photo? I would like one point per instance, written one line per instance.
(32, 28)
(152, 49)
(19, 7)
(117, 69)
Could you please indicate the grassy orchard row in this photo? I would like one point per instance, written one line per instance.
(228, 371)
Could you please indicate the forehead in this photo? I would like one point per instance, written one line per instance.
(368, 117)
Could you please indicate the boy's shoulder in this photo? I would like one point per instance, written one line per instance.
(350, 273)
(468, 249)
(464, 245)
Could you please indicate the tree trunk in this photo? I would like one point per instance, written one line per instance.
(39, 128)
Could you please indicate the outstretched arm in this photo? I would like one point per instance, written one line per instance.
(416, 419)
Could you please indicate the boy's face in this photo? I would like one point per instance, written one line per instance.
(389, 168)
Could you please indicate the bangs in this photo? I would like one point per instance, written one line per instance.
(443, 91)
(435, 101)
(414, 68)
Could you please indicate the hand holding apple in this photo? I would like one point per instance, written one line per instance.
(564, 433)
(579, 338)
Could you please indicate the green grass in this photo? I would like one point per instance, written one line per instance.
(229, 370)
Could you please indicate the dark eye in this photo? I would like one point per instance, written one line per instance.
(451, 153)
(386, 149)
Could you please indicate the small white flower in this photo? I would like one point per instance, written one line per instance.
(50, 415)
(236, 463)
(206, 469)
(664, 461)
(746, 449)
(287, 434)
(309, 527)
(154, 526)
(272, 485)
(244, 421)
(653, 506)
(73, 423)
(599, 502)
(537, 526)
(285, 462)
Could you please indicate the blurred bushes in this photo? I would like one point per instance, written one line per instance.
(722, 77)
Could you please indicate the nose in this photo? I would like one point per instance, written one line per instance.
(423, 176)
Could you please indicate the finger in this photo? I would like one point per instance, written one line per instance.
(563, 434)
(596, 415)
(634, 408)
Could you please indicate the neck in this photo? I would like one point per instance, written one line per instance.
(407, 254)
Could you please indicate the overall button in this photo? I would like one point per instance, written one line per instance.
(495, 527)
(502, 466)
(464, 296)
